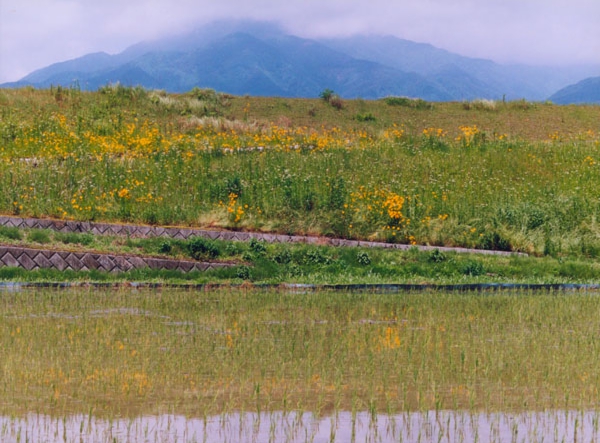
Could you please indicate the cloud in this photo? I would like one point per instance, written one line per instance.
(36, 33)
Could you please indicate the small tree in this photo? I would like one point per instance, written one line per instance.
(327, 95)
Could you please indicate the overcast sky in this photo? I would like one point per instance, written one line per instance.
(36, 33)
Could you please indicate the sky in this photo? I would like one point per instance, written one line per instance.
(37, 33)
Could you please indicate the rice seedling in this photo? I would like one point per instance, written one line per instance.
(478, 362)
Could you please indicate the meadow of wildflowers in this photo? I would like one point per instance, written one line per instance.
(413, 176)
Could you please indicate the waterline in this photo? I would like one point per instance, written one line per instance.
(297, 427)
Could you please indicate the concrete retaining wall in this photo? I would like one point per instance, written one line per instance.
(134, 231)
(32, 259)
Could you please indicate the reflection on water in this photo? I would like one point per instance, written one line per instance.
(441, 426)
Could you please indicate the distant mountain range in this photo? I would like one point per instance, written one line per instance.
(258, 58)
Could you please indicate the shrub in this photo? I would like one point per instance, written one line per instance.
(336, 102)
(243, 272)
(437, 256)
(200, 248)
(165, 248)
(368, 117)
(283, 257)
(258, 247)
(327, 95)
(416, 103)
(362, 257)
(495, 241)
(472, 268)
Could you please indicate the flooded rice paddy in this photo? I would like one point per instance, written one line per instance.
(167, 365)
(293, 427)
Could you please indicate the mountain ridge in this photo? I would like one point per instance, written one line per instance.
(259, 58)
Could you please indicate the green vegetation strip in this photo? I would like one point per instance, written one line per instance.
(257, 261)
(300, 288)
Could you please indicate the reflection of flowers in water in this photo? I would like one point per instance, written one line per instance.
(390, 338)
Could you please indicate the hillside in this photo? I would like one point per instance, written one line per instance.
(260, 59)
(585, 91)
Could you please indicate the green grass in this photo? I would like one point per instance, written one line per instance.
(261, 262)
(138, 352)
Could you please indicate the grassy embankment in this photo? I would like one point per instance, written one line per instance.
(514, 176)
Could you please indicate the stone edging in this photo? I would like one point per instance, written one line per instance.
(32, 259)
(136, 231)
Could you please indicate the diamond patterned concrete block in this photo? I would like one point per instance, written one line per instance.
(137, 262)
(42, 261)
(135, 233)
(185, 266)
(122, 264)
(202, 267)
(127, 229)
(153, 263)
(26, 262)
(84, 227)
(143, 231)
(30, 223)
(213, 235)
(186, 233)
(99, 228)
(106, 262)
(171, 232)
(58, 262)
(240, 236)
(113, 230)
(74, 262)
(89, 261)
(158, 231)
(13, 223)
(10, 260)
(45, 224)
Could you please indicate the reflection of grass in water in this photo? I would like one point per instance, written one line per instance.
(295, 427)
(133, 352)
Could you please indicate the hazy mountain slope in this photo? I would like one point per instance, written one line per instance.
(585, 91)
(488, 79)
(260, 59)
(241, 63)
